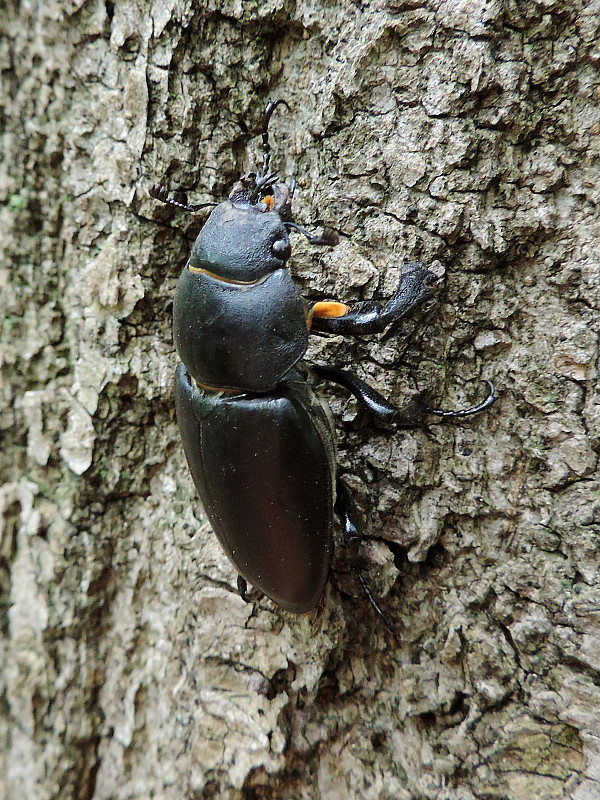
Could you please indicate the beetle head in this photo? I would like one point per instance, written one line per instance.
(266, 193)
(241, 242)
(247, 237)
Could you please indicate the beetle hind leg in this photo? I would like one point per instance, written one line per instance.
(247, 596)
(242, 587)
(346, 510)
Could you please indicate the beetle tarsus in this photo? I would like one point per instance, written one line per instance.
(467, 412)
(271, 106)
(377, 608)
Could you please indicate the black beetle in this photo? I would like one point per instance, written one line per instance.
(259, 443)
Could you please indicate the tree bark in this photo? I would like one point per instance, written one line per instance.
(463, 134)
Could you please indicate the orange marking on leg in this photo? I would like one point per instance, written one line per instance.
(330, 309)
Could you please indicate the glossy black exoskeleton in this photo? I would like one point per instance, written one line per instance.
(259, 442)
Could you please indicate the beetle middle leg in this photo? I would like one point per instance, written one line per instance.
(413, 413)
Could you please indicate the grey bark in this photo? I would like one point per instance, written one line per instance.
(462, 134)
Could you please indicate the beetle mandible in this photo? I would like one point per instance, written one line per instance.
(259, 443)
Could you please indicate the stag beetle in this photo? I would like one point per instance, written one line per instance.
(259, 442)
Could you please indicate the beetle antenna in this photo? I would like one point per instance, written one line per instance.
(261, 184)
(271, 106)
(159, 193)
(329, 237)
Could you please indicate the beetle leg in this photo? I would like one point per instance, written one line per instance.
(369, 317)
(242, 586)
(346, 510)
(371, 399)
(411, 414)
(252, 596)
(489, 400)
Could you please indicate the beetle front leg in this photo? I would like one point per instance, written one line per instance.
(370, 317)
(413, 413)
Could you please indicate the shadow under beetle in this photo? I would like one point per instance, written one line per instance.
(259, 443)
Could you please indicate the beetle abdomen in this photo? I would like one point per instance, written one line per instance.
(239, 336)
(264, 469)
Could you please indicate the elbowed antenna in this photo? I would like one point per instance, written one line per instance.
(257, 182)
(159, 193)
(271, 106)
(264, 179)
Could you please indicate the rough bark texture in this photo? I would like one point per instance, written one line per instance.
(461, 132)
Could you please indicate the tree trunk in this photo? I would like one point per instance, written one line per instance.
(459, 133)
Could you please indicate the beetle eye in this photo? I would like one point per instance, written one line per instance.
(281, 249)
